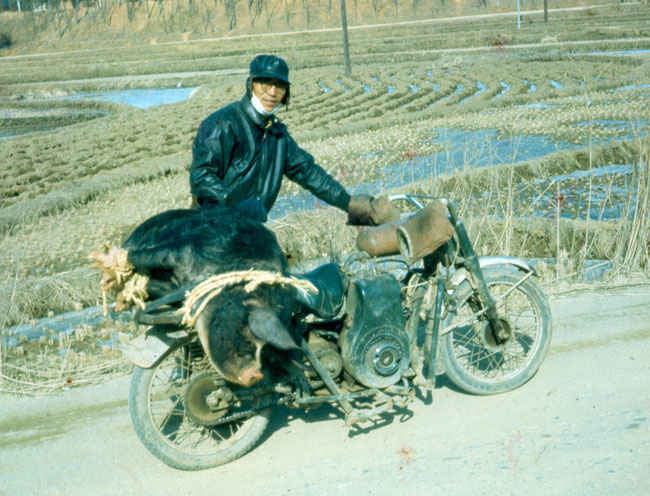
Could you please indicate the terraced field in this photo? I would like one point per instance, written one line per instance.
(540, 133)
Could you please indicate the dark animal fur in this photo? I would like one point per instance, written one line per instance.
(181, 247)
(188, 246)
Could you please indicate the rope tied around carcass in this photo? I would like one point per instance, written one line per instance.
(205, 291)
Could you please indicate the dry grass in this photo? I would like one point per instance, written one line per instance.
(484, 197)
(94, 178)
(61, 361)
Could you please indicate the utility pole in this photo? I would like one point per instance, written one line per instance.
(546, 11)
(346, 48)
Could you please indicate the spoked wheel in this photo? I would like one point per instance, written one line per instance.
(479, 362)
(189, 417)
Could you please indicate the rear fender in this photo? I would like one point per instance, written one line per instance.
(148, 349)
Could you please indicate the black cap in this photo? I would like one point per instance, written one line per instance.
(269, 66)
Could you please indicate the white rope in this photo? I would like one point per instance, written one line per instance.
(211, 287)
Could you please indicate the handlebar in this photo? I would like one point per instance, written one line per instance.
(413, 199)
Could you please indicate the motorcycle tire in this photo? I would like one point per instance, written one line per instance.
(157, 410)
(473, 360)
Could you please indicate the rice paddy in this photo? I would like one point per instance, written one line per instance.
(543, 143)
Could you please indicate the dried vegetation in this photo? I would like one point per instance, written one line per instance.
(90, 172)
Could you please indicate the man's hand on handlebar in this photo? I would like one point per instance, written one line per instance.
(366, 210)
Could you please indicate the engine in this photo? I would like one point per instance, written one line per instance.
(374, 344)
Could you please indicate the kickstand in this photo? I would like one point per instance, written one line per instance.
(327, 378)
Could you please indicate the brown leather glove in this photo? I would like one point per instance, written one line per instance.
(365, 210)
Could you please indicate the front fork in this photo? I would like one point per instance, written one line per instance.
(500, 332)
(432, 335)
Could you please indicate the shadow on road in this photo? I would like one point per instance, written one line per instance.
(283, 416)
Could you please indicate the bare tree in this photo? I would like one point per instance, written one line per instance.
(287, 13)
(131, 7)
(255, 8)
(230, 7)
(269, 16)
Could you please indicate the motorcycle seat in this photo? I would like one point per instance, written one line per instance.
(331, 285)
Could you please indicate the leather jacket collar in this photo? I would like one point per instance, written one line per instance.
(257, 118)
(270, 122)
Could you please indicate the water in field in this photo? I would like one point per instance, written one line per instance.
(141, 98)
(632, 87)
(602, 193)
(65, 323)
(480, 88)
(19, 131)
(464, 149)
(621, 53)
(505, 89)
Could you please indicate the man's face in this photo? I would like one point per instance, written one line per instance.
(269, 91)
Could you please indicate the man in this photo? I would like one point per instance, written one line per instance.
(242, 151)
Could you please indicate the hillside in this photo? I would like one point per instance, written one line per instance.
(97, 22)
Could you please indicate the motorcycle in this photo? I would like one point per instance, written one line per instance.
(482, 321)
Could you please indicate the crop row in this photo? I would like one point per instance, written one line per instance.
(567, 94)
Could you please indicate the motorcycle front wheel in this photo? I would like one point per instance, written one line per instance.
(474, 360)
(188, 417)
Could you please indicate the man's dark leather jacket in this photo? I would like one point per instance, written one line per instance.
(240, 155)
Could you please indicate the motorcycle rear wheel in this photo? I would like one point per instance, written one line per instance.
(473, 360)
(157, 407)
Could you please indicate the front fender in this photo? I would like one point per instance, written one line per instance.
(462, 274)
(504, 260)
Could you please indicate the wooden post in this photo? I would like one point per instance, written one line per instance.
(346, 48)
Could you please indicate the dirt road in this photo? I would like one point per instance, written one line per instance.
(581, 426)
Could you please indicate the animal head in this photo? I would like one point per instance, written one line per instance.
(235, 326)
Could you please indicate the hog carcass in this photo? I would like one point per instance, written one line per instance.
(184, 247)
